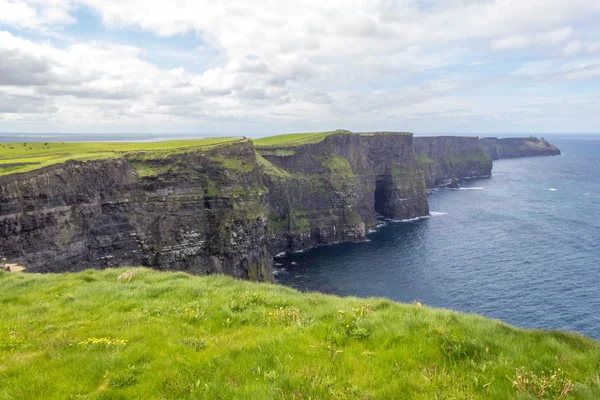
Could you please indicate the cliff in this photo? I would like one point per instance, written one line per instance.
(442, 158)
(331, 188)
(199, 209)
(497, 148)
(216, 206)
(213, 208)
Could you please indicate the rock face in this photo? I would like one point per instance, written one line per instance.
(222, 209)
(443, 158)
(332, 191)
(517, 147)
(199, 211)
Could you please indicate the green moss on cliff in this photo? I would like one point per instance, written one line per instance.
(339, 166)
(270, 169)
(277, 224)
(466, 158)
(138, 333)
(423, 159)
(148, 170)
(235, 164)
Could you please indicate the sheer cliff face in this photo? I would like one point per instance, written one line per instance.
(200, 211)
(222, 209)
(517, 147)
(332, 191)
(442, 158)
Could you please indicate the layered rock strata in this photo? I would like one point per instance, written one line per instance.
(333, 191)
(443, 158)
(202, 211)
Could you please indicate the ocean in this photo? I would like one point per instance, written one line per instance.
(522, 246)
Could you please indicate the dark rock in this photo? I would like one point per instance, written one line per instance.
(442, 158)
(332, 191)
(198, 211)
(453, 184)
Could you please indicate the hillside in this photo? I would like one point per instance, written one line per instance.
(138, 333)
(23, 157)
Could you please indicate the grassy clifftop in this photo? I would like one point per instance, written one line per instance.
(27, 156)
(295, 139)
(143, 334)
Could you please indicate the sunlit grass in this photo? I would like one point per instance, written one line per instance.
(27, 156)
(295, 139)
(138, 333)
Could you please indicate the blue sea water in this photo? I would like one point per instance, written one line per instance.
(522, 246)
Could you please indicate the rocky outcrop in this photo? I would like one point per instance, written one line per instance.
(202, 211)
(332, 191)
(443, 158)
(497, 148)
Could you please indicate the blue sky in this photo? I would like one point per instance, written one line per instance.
(268, 66)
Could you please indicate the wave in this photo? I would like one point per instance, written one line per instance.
(410, 219)
(280, 255)
(431, 214)
(552, 190)
(377, 227)
(471, 188)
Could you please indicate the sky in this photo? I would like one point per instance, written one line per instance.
(263, 67)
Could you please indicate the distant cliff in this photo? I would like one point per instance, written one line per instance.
(442, 158)
(333, 190)
(497, 148)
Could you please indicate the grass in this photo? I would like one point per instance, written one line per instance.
(23, 157)
(142, 334)
(295, 139)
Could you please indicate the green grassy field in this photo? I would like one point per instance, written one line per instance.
(295, 139)
(22, 157)
(141, 334)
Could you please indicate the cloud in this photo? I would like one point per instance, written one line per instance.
(36, 14)
(561, 41)
(272, 61)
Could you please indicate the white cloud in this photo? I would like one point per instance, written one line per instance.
(551, 38)
(36, 14)
(281, 61)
